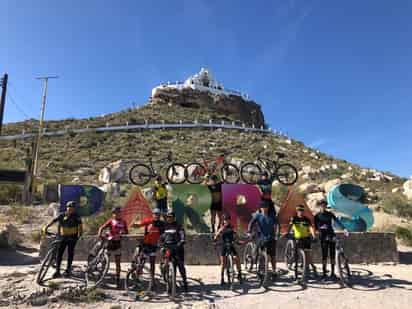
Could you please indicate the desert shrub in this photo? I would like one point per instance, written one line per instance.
(20, 214)
(404, 235)
(397, 204)
(10, 193)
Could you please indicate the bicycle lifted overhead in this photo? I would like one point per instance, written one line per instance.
(196, 172)
(140, 174)
(285, 173)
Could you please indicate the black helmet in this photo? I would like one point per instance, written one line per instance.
(300, 207)
(116, 209)
(265, 173)
(226, 216)
(170, 213)
(70, 204)
(214, 178)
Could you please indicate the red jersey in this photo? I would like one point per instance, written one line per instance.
(117, 228)
(153, 230)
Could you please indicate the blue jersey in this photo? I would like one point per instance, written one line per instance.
(266, 225)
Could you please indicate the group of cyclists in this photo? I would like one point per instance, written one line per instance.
(161, 228)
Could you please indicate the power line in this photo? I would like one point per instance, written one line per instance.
(13, 101)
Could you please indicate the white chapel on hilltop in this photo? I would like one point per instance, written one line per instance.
(202, 81)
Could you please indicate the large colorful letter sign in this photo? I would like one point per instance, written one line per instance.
(89, 199)
(190, 203)
(240, 201)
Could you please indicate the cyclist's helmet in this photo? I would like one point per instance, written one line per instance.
(170, 213)
(226, 217)
(71, 204)
(156, 211)
(265, 174)
(300, 208)
(116, 209)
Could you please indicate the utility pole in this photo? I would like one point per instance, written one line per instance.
(43, 107)
(3, 98)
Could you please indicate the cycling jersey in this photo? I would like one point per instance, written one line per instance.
(173, 233)
(216, 192)
(117, 227)
(265, 187)
(153, 230)
(69, 225)
(323, 223)
(160, 192)
(266, 225)
(228, 234)
(300, 227)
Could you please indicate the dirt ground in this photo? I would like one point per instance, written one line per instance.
(374, 286)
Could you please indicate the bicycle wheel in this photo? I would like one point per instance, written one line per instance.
(248, 258)
(289, 254)
(171, 280)
(45, 265)
(140, 174)
(343, 268)
(195, 173)
(176, 173)
(250, 173)
(262, 268)
(97, 269)
(229, 270)
(300, 266)
(287, 174)
(230, 173)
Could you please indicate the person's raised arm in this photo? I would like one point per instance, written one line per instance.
(103, 227)
(45, 228)
(219, 231)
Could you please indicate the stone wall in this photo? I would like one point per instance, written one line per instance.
(200, 250)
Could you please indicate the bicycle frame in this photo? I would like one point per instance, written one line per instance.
(219, 161)
(165, 162)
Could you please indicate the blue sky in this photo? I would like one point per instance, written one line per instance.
(334, 74)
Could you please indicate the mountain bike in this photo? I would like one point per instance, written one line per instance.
(168, 264)
(342, 263)
(196, 172)
(257, 255)
(98, 263)
(140, 174)
(50, 257)
(285, 173)
(134, 276)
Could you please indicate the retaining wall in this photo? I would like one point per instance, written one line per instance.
(200, 250)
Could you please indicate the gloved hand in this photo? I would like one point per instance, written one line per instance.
(345, 233)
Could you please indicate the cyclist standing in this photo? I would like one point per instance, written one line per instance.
(228, 235)
(117, 227)
(266, 234)
(215, 187)
(69, 229)
(160, 194)
(174, 235)
(302, 231)
(154, 228)
(265, 187)
(323, 223)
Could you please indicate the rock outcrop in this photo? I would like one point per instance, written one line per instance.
(407, 189)
(248, 112)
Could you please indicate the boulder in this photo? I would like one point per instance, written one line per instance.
(114, 172)
(407, 189)
(10, 236)
(309, 188)
(330, 184)
(111, 189)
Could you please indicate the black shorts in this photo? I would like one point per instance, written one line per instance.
(216, 207)
(228, 250)
(114, 246)
(270, 246)
(304, 243)
(149, 250)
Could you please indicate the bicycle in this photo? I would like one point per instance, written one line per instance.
(343, 263)
(98, 263)
(168, 266)
(195, 172)
(295, 259)
(50, 257)
(134, 274)
(285, 173)
(250, 254)
(260, 258)
(140, 174)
